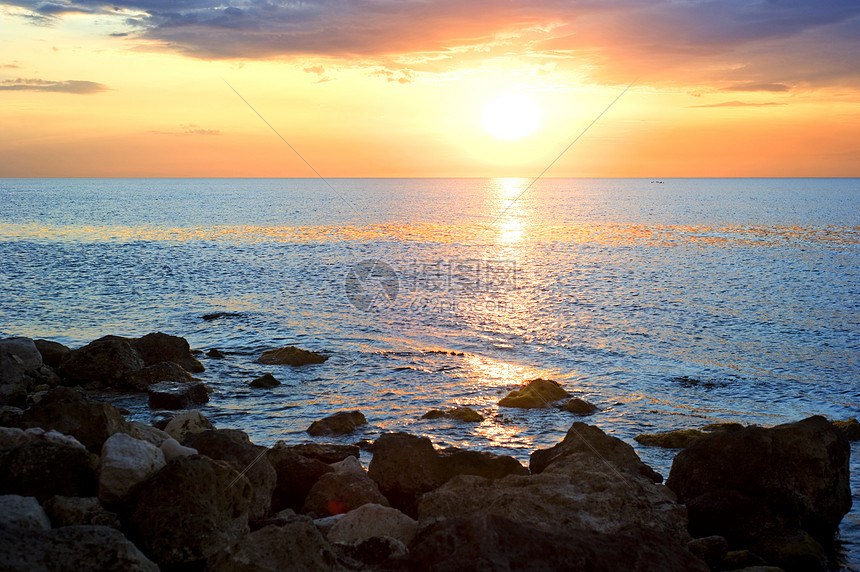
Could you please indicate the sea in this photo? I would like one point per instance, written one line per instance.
(669, 304)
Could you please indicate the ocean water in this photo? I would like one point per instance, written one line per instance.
(667, 304)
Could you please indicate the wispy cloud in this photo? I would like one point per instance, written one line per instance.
(188, 129)
(79, 87)
(739, 104)
(773, 87)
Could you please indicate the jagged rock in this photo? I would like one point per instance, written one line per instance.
(349, 465)
(296, 474)
(26, 351)
(235, 447)
(291, 355)
(126, 462)
(147, 433)
(339, 492)
(191, 509)
(71, 548)
(13, 386)
(851, 428)
(157, 372)
(52, 352)
(671, 439)
(491, 542)
(326, 452)
(376, 552)
(535, 394)
(176, 395)
(267, 381)
(405, 467)
(297, 545)
(456, 461)
(67, 411)
(43, 468)
(373, 520)
(337, 424)
(73, 511)
(186, 424)
(739, 484)
(215, 354)
(460, 414)
(22, 512)
(172, 449)
(158, 347)
(109, 361)
(580, 407)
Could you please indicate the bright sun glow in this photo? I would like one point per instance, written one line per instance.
(511, 116)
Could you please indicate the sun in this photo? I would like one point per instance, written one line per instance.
(511, 116)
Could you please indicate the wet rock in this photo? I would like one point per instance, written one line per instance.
(215, 354)
(125, 463)
(13, 386)
(338, 424)
(456, 461)
(67, 411)
(147, 433)
(460, 414)
(339, 492)
(216, 315)
(22, 512)
(535, 394)
(162, 371)
(186, 424)
(267, 381)
(172, 449)
(71, 548)
(42, 469)
(711, 427)
(52, 352)
(176, 395)
(159, 347)
(670, 439)
(291, 355)
(405, 467)
(191, 509)
(326, 452)
(109, 361)
(739, 484)
(74, 511)
(580, 407)
(25, 350)
(373, 520)
(296, 474)
(297, 545)
(851, 428)
(251, 460)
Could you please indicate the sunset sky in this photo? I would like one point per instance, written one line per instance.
(139, 88)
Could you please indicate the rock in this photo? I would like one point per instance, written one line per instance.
(176, 395)
(74, 511)
(291, 355)
(191, 509)
(13, 386)
(248, 459)
(456, 461)
(339, 492)
(158, 347)
(267, 381)
(741, 483)
(373, 520)
(147, 433)
(22, 512)
(37, 433)
(108, 361)
(326, 452)
(671, 439)
(580, 407)
(337, 424)
(26, 351)
(711, 427)
(349, 465)
(711, 549)
(460, 414)
(297, 545)
(535, 394)
(186, 424)
(43, 468)
(587, 445)
(491, 542)
(215, 354)
(162, 371)
(793, 551)
(405, 467)
(851, 428)
(52, 352)
(71, 548)
(12, 437)
(126, 462)
(296, 474)
(172, 449)
(67, 411)
(377, 552)
(745, 559)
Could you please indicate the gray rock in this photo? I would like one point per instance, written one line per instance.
(339, 492)
(296, 474)
(13, 386)
(74, 511)
(326, 452)
(147, 433)
(157, 372)
(26, 351)
(186, 424)
(52, 352)
(22, 512)
(338, 424)
(373, 520)
(405, 467)
(125, 463)
(109, 361)
(176, 394)
(43, 468)
(159, 347)
(172, 449)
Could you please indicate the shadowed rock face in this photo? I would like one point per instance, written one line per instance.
(43, 469)
(110, 361)
(741, 483)
(405, 466)
(296, 474)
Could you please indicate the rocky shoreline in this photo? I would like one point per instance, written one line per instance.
(82, 488)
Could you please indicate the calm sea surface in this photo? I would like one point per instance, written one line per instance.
(669, 305)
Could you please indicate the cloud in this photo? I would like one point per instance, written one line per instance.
(739, 104)
(70, 86)
(189, 129)
(774, 87)
(10, 66)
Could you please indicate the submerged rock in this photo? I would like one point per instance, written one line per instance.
(337, 424)
(291, 355)
(460, 414)
(535, 394)
(580, 407)
(266, 381)
(177, 395)
(671, 439)
(215, 353)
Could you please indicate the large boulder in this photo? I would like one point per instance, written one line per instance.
(291, 355)
(371, 521)
(339, 492)
(187, 423)
(251, 460)
(405, 467)
(326, 452)
(739, 484)
(161, 371)
(22, 512)
(455, 461)
(109, 361)
(192, 508)
(125, 463)
(177, 394)
(296, 474)
(73, 511)
(43, 468)
(535, 394)
(67, 411)
(671, 439)
(13, 385)
(338, 424)
(70, 549)
(52, 352)
(158, 347)
(25, 350)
